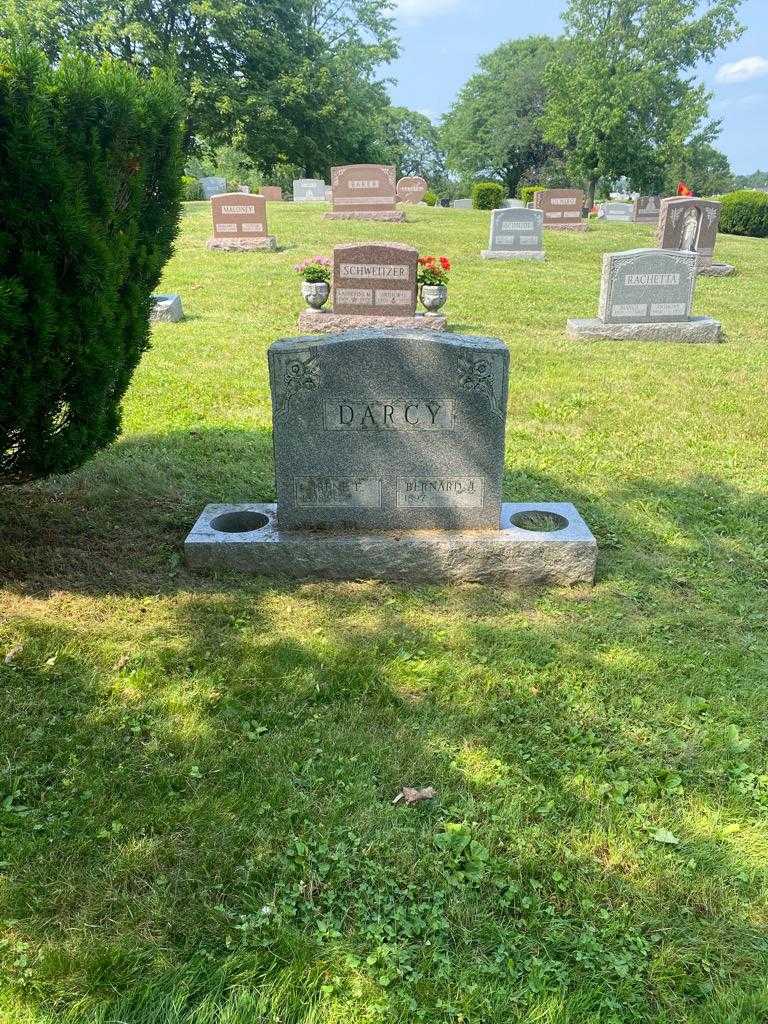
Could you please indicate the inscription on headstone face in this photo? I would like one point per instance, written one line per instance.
(378, 278)
(646, 209)
(647, 286)
(561, 207)
(363, 188)
(308, 190)
(618, 211)
(237, 215)
(272, 193)
(516, 230)
(690, 224)
(389, 430)
(411, 189)
(213, 186)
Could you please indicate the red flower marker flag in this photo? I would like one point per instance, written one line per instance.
(683, 190)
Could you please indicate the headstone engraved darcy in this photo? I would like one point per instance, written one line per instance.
(389, 454)
(646, 294)
(561, 208)
(691, 223)
(239, 223)
(516, 233)
(364, 192)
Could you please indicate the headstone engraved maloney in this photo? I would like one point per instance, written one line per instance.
(213, 187)
(561, 208)
(239, 223)
(364, 192)
(389, 457)
(646, 209)
(618, 211)
(272, 193)
(373, 284)
(691, 224)
(516, 234)
(308, 190)
(411, 189)
(646, 295)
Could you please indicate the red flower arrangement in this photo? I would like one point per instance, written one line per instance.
(433, 270)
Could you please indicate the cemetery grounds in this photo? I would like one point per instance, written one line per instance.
(196, 817)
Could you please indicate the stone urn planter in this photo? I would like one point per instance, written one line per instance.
(433, 297)
(315, 293)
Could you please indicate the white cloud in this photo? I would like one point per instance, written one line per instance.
(418, 10)
(742, 70)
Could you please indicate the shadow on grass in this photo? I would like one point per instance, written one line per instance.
(244, 752)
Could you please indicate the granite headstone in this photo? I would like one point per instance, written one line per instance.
(375, 279)
(240, 222)
(272, 193)
(646, 209)
(363, 189)
(515, 234)
(691, 224)
(308, 190)
(213, 187)
(618, 211)
(561, 208)
(411, 189)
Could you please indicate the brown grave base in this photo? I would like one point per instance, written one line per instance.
(269, 242)
(320, 321)
(716, 270)
(398, 216)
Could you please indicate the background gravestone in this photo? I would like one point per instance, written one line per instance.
(308, 190)
(272, 193)
(515, 234)
(691, 224)
(561, 208)
(513, 204)
(411, 190)
(213, 186)
(239, 223)
(462, 204)
(375, 279)
(614, 211)
(364, 192)
(389, 431)
(646, 209)
(646, 294)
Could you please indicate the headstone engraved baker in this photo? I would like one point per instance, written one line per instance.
(389, 457)
(646, 210)
(646, 295)
(308, 190)
(272, 193)
(239, 223)
(516, 234)
(691, 223)
(364, 192)
(561, 208)
(373, 285)
(213, 187)
(411, 189)
(613, 211)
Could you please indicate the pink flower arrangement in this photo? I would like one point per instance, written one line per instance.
(315, 270)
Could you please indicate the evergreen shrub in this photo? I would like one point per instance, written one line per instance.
(191, 188)
(430, 198)
(90, 161)
(487, 195)
(745, 213)
(527, 192)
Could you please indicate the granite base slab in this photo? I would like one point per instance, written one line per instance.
(320, 321)
(696, 330)
(166, 309)
(516, 254)
(269, 243)
(397, 216)
(716, 270)
(513, 555)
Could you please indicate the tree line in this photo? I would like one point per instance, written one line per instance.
(291, 87)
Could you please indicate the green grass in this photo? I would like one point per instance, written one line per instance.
(197, 773)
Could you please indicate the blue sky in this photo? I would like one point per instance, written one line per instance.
(442, 39)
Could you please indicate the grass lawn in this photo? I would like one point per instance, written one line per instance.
(197, 773)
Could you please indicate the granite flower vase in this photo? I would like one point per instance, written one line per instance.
(315, 293)
(434, 296)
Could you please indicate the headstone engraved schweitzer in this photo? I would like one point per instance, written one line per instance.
(364, 192)
(516, 234)
(646, 295)
(374, 285)
(691, 224)
(308, 190)
(561, 208)
(389, 457)
(239, 223)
